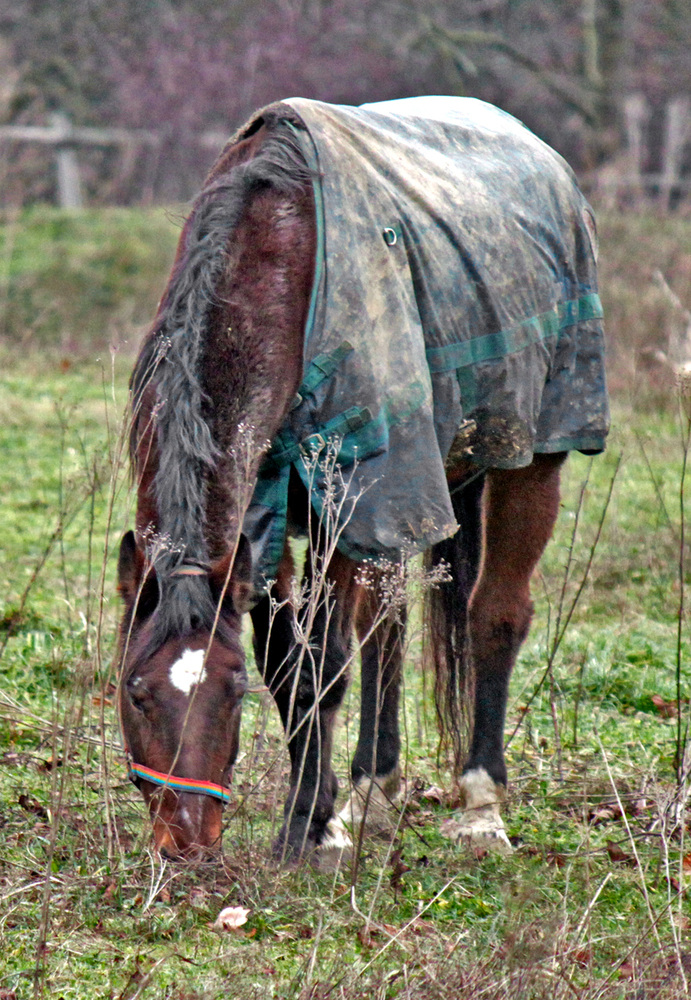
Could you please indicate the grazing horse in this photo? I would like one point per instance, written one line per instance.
(382, 331)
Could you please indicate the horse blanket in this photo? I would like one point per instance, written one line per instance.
(454, 316)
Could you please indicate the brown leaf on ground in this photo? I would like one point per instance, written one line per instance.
(425, 928)
(626, 969)
(366, 936)
(110, 890)
(618, 855)
(667, 709)
(48, 765)
(398, 868)
(32, 806)
(603, 813)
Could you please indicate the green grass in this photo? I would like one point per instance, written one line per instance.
(71, 280)
(87, 911)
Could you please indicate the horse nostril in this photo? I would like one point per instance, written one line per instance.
(166, 853)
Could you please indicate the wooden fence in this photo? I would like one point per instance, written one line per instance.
(67, 139)
(624, 180)
(628, 179)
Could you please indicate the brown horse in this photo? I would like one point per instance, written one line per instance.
(228, 367)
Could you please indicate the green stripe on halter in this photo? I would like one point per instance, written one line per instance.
(178, 784)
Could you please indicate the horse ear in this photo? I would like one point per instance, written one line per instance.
(130, 568)
(131, 565)
(239, 591)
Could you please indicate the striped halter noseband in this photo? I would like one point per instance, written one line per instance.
(138, 772)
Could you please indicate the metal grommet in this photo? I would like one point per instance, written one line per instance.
(390, 237)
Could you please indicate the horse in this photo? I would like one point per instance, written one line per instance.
(381, 330)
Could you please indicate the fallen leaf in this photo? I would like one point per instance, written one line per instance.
(674, 883)
(230, 918)
(626, 969)
(49, 764)
(667, 709)
(686, 862)
(110, 890)
(616, 854)
(398, 868)
(433, 794)
(583, 956)
(603, 813)
(32, 806)
(425, 928)
(365, 936)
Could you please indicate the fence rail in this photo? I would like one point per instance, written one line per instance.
(67, 139)
(624, 179)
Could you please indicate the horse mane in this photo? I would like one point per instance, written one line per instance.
(170, 362)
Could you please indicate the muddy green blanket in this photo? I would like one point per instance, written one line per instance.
(455, 310)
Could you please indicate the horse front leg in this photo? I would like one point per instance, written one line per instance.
(375, 768)
(305, 654)
(520, 508)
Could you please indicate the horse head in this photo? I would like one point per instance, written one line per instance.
(181, 690)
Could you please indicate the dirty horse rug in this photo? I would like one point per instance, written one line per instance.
(454, 316)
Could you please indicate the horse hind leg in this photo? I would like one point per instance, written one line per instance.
(520, 507)
(375, 768)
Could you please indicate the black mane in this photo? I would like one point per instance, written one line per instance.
(170, 361)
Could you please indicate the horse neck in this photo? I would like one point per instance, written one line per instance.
(253, 360)
(249, 366)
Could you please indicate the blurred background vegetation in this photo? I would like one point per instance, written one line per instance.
(606, 82)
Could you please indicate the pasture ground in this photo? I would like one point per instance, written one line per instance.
(594, 901)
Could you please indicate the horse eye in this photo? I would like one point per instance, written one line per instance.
(137, 694)
(138, 702)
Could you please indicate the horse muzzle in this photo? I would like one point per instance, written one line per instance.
(186, 826)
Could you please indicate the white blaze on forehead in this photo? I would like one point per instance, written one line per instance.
(188, 670)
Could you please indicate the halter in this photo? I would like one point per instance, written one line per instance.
(138, 772)
(191, 568)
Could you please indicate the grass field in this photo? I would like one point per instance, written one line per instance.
(594, 901)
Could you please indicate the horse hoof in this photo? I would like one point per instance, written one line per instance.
(335, 847)
(373, 802)
(477, 832)
(479, 825)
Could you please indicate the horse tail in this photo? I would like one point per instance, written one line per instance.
(446, 619)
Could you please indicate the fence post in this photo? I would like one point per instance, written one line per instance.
(678, 127)
(69, 182)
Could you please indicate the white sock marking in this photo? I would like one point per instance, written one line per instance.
(188, 670)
